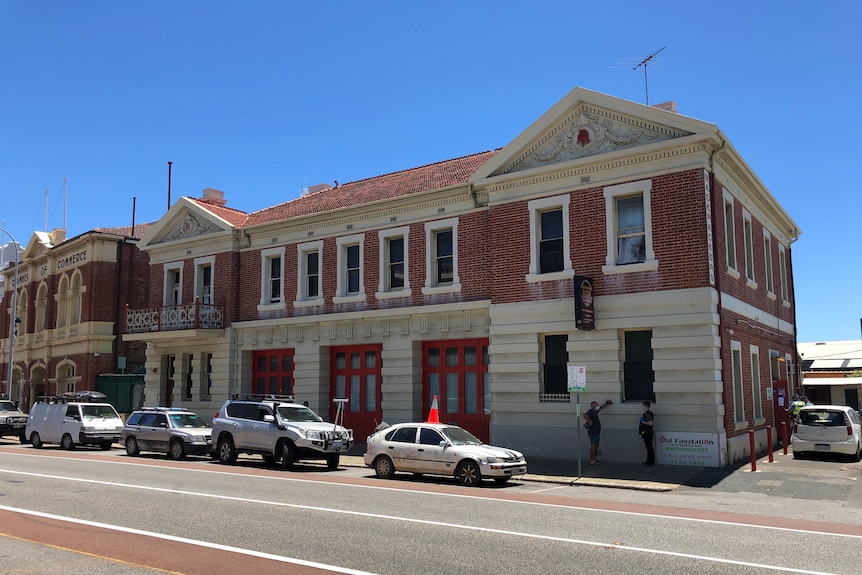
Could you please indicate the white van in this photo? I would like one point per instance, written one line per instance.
(73, 423)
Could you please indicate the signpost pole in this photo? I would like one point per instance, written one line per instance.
(577, 382)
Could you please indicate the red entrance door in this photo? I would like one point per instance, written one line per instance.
(457, 373)
(272, 372)
(355, 376)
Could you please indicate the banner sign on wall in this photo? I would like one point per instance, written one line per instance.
(584, 314)
(691, 449)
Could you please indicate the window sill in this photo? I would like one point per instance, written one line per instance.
(393, 294)
(550, 277)
(771, 296)
(648, 266)
(434, 290)
(734, 273)
(785, 303)
(316, 302)
(740, 425)
(352, 298)
(751, 283)
(759, 421)
(271, 306)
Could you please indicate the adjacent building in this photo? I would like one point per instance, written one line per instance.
(70, 293)
(623, 241)
(832, 372)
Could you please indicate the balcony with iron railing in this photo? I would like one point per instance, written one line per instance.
(175, 318)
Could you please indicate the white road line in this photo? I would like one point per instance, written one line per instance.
(205, 544)
(456, 495)
(606, 545)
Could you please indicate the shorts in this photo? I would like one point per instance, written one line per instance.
(594, 438)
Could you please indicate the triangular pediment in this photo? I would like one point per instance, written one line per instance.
(186, 220)
(40, 244)
(585, 124)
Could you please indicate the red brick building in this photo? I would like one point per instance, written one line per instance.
(70, 294)
(625, 239)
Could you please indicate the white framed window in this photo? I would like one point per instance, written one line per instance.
(736, 374)
(204, 279)
(756, 401)
(782, 275)
(394, 256)
(66, 377)
(309, 288)
(76, 300)
(767, 260)
(748, 240)
(272, 279)
(628, 222)
(730, 235)
(62, 299)
(173, 292)
(550, 246)
(41, 306)
(350, 265)
(441, 257)
(791, 371)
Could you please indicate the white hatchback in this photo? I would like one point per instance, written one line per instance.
(827, 429)
(440, 449)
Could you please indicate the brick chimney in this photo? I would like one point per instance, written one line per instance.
(213, 196)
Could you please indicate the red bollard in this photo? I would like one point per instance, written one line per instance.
(784, 436)
(769, 441)
(753, 454)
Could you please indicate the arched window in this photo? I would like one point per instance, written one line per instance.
(62, 301)
(67, 377)
(23, 306)
(41, 307)
(75, 296)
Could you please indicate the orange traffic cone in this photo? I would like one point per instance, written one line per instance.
(432, 416)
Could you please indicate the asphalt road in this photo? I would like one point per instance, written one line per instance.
(99, 512)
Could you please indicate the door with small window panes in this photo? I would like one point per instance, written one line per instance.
(272, 372)
(457, 373)
(355, 376)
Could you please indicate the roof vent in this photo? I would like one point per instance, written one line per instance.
(667, 106)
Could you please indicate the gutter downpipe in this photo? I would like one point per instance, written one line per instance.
(721, 332)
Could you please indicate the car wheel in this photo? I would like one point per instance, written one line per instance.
(502, 480)
(858, 455)
(288, 455)
(797, 455)
(35, 440)
(22, 437)
(132, 446)
(177, 450)
(66, 442)
(332, 461)
(226, 451)
(105, 446)
(383, 467)
(468, 473)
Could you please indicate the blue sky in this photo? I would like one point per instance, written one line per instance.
(261, 98)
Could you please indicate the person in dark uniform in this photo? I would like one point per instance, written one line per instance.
(645, 428)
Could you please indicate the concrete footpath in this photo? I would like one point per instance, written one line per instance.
(606, 474)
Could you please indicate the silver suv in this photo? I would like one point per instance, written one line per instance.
(171, 430)
(279, 430)
(12, 421)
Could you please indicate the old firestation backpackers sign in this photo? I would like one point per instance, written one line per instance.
(584, 315)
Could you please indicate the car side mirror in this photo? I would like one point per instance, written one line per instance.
(269, 418)
(443, 444)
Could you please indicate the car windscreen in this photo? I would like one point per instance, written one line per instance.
(98, 411)
(187, 420)
(7, 406)
(460, 436)
(297, 413)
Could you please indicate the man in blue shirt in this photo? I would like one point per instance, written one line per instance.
(594, 428)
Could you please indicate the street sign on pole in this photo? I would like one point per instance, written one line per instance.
(577, 380)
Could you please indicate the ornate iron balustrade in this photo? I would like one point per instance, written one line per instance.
(175, 317)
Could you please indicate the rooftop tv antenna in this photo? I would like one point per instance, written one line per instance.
(644, 63)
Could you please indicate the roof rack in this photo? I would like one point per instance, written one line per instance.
(263, 397)
(163, 408)
(75, 397)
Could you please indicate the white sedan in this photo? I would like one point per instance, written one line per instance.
(827, 429)
(440, 449)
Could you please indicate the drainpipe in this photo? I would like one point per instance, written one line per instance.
(714, 217)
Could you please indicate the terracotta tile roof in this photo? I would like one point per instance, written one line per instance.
(234, 217)
(388, 186)
(140, 230)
